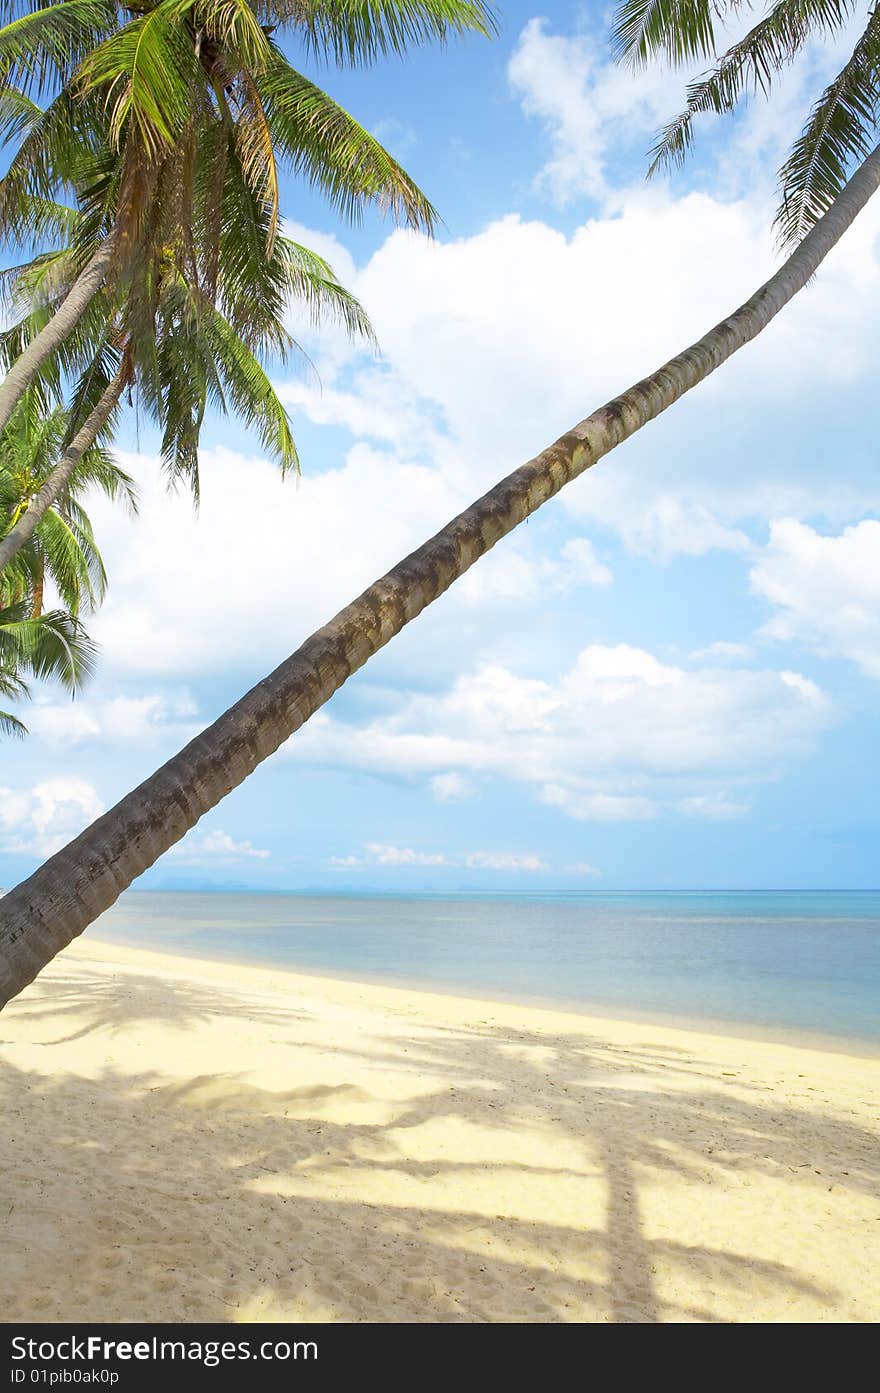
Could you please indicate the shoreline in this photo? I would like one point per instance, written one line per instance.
(856, 1046)
(191, 1139)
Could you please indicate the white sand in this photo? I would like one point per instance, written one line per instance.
(200, 1141)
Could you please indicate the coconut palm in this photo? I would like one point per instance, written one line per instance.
(62, 551)
(62, 548)
(41, 915)
(146, 102)
(175, 344)
(52, 645)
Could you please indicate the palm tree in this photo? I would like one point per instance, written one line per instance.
(148, 100)
(22, 524)
(176, 346)
(62, 548)
(52, 645)
(42, 914)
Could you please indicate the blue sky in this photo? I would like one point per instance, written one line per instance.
(669, 677)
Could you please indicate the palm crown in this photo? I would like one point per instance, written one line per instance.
(63, 548)
(182, 347)
(841, 127)
(42, 646)
(62, 551)
(168, 122)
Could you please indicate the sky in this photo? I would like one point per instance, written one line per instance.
(669, 677)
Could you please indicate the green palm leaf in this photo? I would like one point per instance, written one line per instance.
(147, 74)
(319, 140)
(679, 30)
(44, 47)
(361, 31)
(53, 645)
(749, 65)
(840, 131)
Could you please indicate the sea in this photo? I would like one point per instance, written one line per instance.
(798, 963)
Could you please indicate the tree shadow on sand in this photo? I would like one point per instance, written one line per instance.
(117, 1000)
(129, 1197)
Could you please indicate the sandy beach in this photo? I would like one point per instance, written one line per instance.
(200, 1141)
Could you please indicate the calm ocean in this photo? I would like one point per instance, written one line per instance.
(801, 961)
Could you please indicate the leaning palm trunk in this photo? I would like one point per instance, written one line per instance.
(84, 439)
(26, 367)
(43, 913)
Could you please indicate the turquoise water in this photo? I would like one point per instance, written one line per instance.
(802, 961)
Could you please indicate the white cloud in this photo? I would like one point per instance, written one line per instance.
(309, 550)
(583, 868)
(576, 802)
(618, 737)
(513, 359)
(515, 573)
(662, 526)
(596, 111)
(256, 579)
(826, 589)
(123, 720)
(383, 854)
(700, 509)
(506, 360)
(809, 691)
(503, 861)
(450, 787)
(721, 651)
(484, 365)
(587, 105)
(579, 561)
(717, 807)
(40, 820)
(376, 407)
(396, 135)
(199, 847)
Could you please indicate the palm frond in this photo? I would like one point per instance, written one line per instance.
(323, 143)
(359, 32)
(314, 284)
(146, 73)
(67, 548)
(257, 152)
(59, 149)
(99, 470)
(678, 30)
(250, 390)
(11, 725)
(43, 48)
(51, 646)
(749, 65)
(840, 131)
(232, 25)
